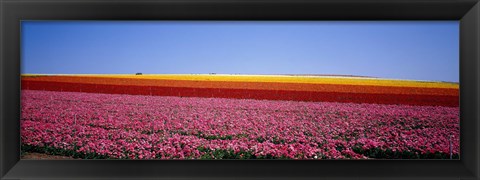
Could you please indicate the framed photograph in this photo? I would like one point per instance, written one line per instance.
(240, 89)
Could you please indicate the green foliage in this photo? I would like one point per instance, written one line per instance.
(378, 153)
(62, 152)
(148, 132)
(339, 148)
(260, 139)
(230, 154)
(213, 137)
(277, 140)
(202, 135)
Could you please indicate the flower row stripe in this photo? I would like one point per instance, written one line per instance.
(406, 99)
(266, 78)
(250, 85)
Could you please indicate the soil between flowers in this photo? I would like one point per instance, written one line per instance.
(43, 156)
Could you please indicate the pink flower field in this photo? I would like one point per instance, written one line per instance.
(119, 126)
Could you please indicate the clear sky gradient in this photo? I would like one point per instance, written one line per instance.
(419, 50)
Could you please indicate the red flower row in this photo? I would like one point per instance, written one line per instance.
(346, 88)
(405, 99)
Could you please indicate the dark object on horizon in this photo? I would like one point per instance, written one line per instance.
(138, 73)
(212, 73)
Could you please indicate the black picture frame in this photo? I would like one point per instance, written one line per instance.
(13, 11)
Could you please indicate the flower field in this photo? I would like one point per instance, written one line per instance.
(305, 89)
(239, 117)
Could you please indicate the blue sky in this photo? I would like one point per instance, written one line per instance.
(420, 50)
